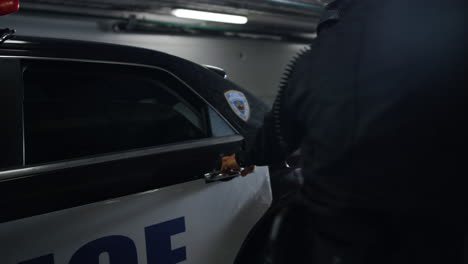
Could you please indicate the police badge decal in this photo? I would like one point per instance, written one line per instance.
(239, 104)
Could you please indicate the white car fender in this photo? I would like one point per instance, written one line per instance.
(192, 222)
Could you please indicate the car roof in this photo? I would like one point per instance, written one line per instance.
(37, 46)
(213, 88)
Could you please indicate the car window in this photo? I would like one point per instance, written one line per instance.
(73, 110)
(219, 127)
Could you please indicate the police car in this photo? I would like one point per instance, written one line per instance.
(109, 155)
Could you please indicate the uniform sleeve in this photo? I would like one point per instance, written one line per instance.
(265, 149)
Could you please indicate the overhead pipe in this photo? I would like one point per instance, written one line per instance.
(298, 4)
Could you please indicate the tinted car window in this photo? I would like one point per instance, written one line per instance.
(219, 128)
(73, 110)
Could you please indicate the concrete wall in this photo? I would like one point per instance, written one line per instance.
(256, 65)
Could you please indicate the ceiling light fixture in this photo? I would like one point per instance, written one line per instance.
(209, 16)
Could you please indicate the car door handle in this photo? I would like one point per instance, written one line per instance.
(220, 176)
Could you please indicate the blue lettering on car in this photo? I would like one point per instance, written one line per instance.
(122, 249)
(158, 242)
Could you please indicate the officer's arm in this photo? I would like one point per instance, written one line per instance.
(265, 148)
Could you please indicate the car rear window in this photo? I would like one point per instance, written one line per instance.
(74, 110)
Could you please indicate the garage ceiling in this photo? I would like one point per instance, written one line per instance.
(282, 19)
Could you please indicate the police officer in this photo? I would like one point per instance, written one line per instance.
(378, 107)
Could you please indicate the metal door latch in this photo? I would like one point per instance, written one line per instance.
(222, 175)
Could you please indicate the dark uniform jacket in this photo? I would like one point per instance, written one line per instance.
(378, 107)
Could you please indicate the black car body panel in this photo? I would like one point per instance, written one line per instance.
(28, 190)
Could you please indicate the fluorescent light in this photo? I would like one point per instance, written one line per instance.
(208, 16)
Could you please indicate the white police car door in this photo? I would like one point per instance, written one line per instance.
(102, 164)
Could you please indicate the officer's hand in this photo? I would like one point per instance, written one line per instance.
(248, 170)
(229, 165)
